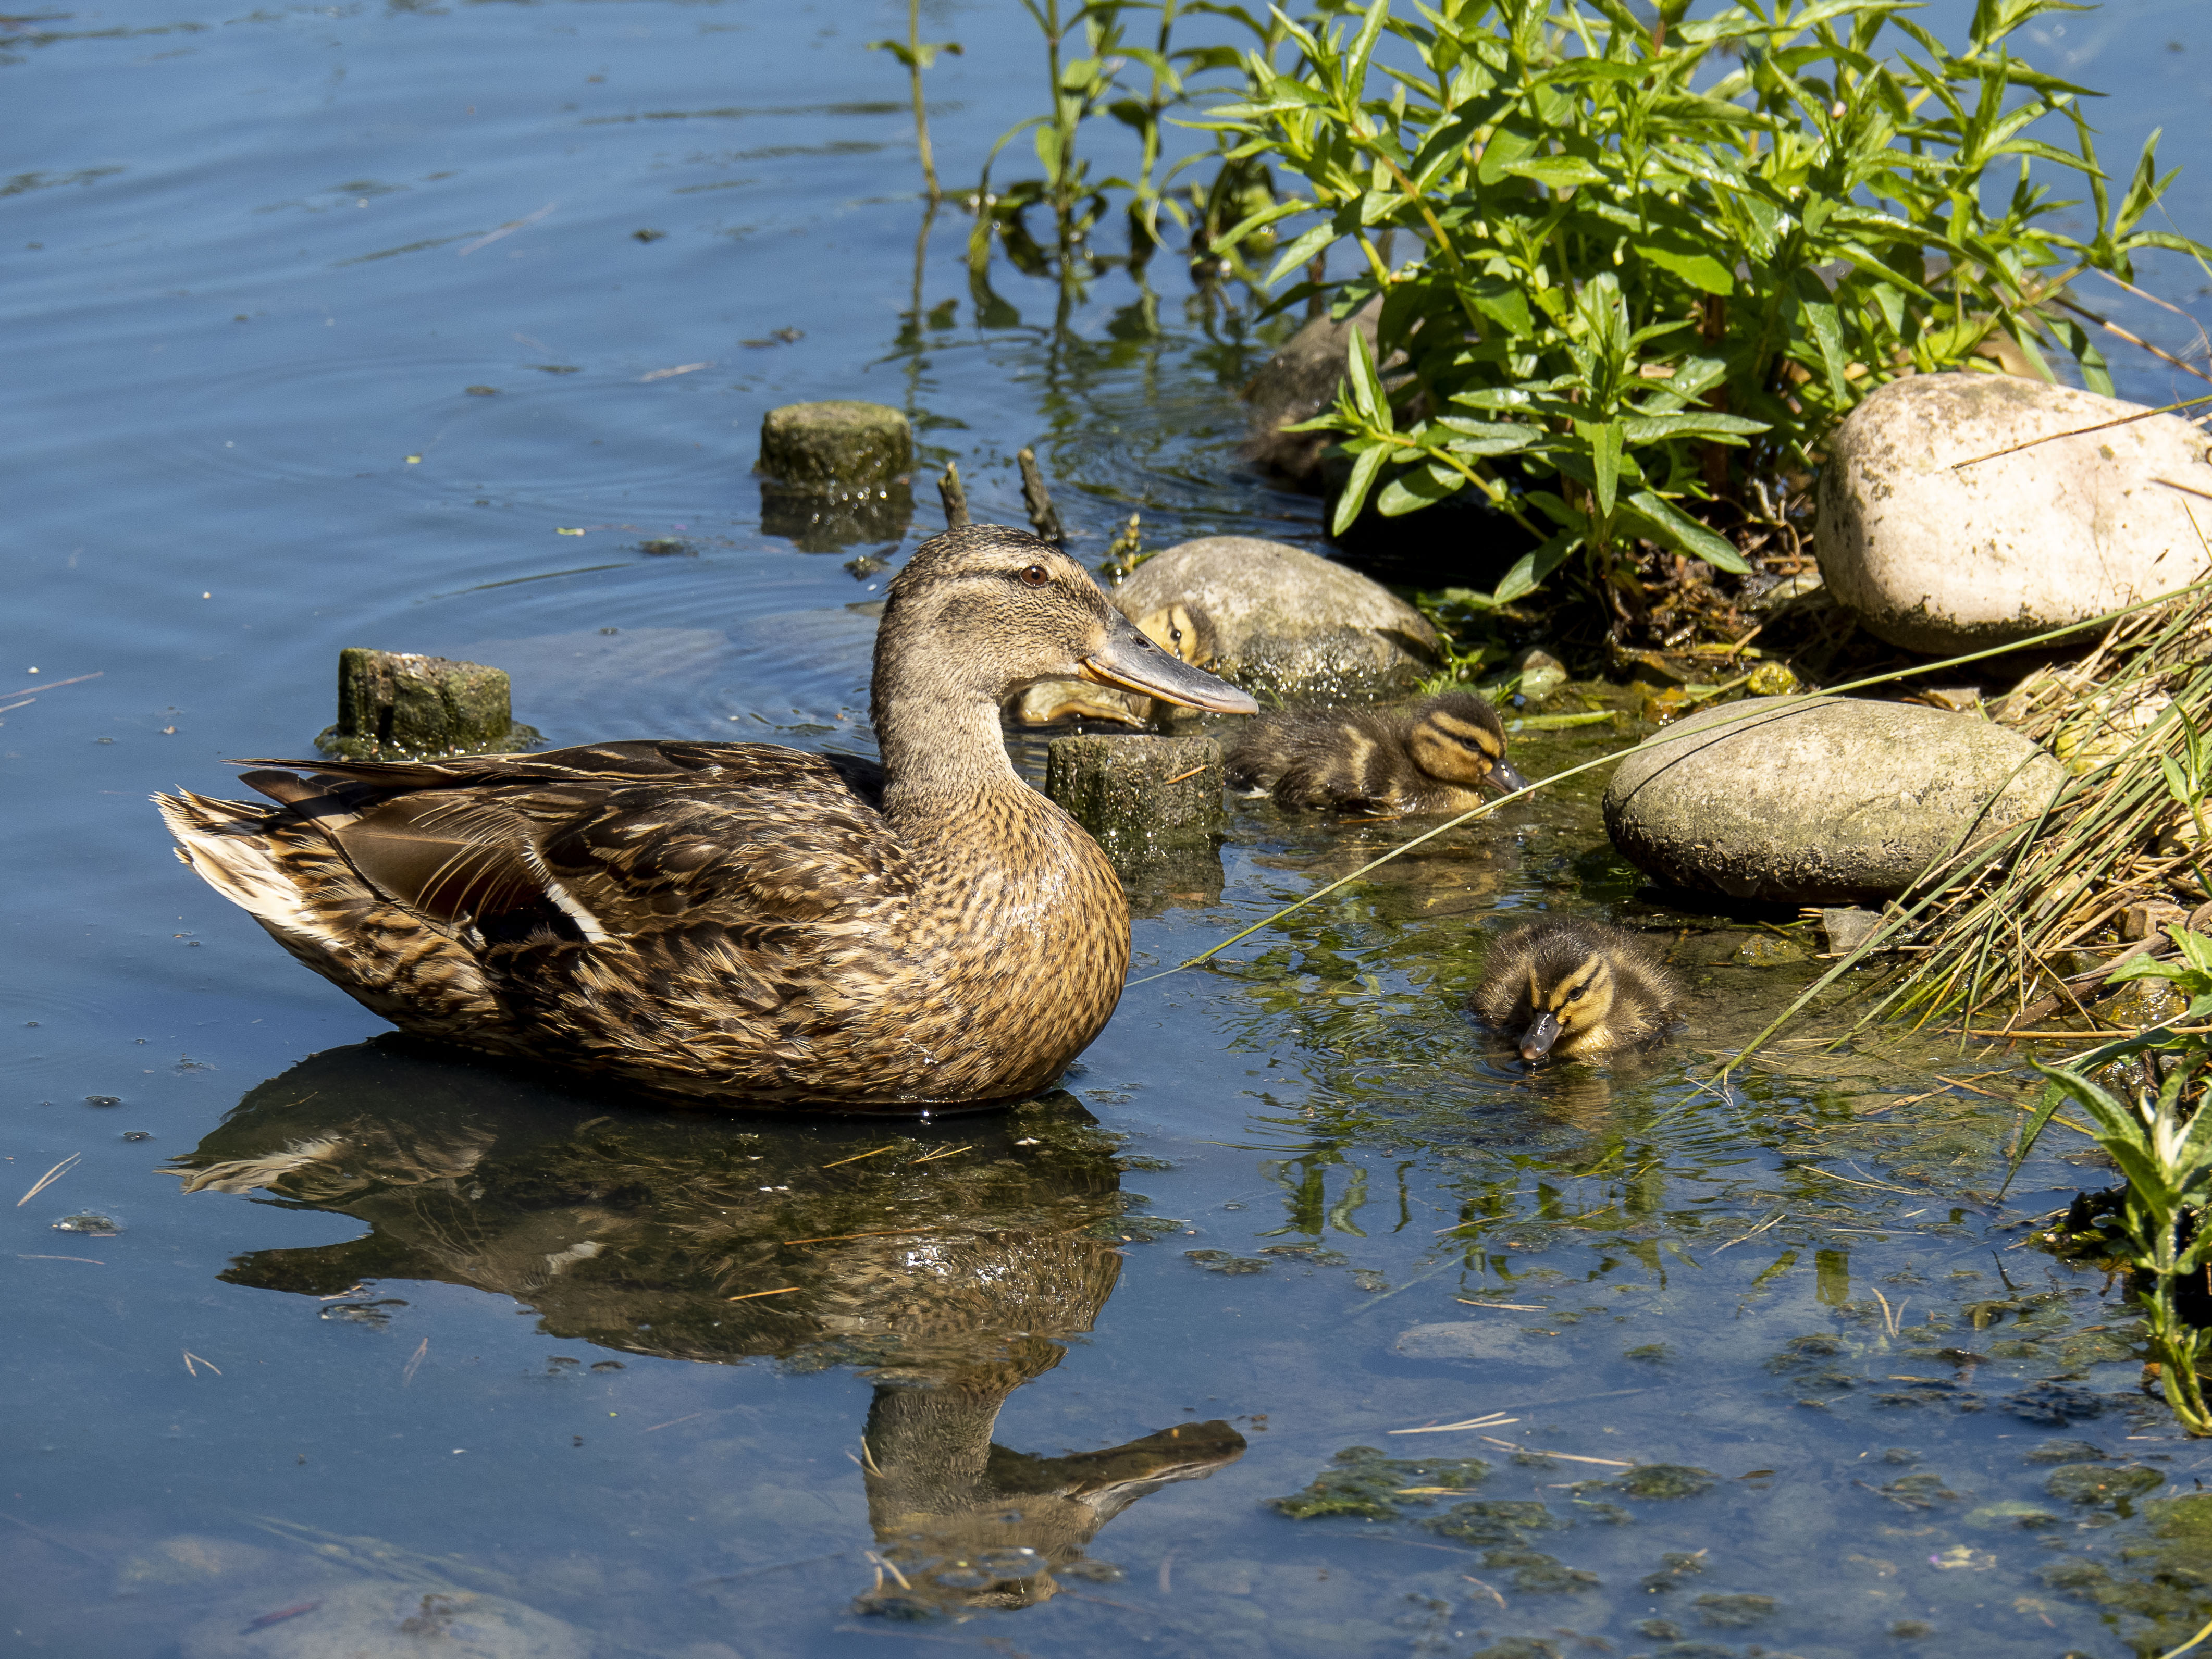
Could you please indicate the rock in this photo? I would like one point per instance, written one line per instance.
(1296, 384)
(1765, 950)
(397, 705)
(1476, 1340)
(1845, 931)
(2151, 921)
(382, 1620)
(1278, 621)
(835, 473)
(1542, 673)
(835, 448)
(1817, 800)
(1945, 560)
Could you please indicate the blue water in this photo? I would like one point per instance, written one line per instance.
(252, 264)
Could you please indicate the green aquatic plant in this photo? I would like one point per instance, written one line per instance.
(1658, 258)
(2159, 1136)
(918, 55)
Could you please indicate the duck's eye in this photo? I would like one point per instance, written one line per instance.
(1035, 576)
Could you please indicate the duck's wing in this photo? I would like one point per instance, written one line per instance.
(610, 842)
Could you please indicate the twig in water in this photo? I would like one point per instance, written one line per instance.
(415, 1364)
(48, 1179)
(1179, 776)
(1510, 1307)
(1891, 1317)
(189, 1356)
(52, 685)
(1495, 1419)
(1753, 1233)
(857, 1157)
(1044, 518)
(1485, 1589)
(954, 497)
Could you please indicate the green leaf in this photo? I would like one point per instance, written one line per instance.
(1506, 146)
(1529, 571)
(1604, 441)
(1692, 266)
(1301, 250)
(1366, 386)
(1554, 172)
(1658, 518)
(1356, 488)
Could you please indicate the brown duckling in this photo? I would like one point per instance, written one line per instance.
(739, 923)
(1575, 989)
(1436, 756)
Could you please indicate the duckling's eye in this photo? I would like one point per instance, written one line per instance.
(1035, 576)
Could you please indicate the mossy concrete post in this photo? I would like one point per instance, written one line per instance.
(1154, 805)
(835, 473)
(398, 705)
(1158, 788)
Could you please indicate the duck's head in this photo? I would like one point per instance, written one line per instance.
(1570, 995)
(983, 611)
(1458, 739)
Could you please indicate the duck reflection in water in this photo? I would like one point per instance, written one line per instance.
(636, 1230)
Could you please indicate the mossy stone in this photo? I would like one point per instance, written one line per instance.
(1362, 1482)
(1666, 1480)
(836, 447)
(2099, 1484)
(399, 705)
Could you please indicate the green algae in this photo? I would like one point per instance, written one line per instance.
(1361, 1481)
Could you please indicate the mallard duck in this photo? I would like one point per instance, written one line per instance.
(1575, 989)
(1436, 756)
(739, 923)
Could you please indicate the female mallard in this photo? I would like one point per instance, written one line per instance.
(1575, 989)
(735, 922)
(1436, 756)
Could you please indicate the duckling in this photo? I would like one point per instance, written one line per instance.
(1436, 756)
(1182, 630)
(1575, 989)
(739, 924)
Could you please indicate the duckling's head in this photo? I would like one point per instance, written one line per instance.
(1570, 993)
(1458, 739)
(1183, 629)
(983, 611)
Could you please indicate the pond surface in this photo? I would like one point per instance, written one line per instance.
(308, 1326)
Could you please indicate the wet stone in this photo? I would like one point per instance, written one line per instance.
(2054, 1403)
(90, 1222)
(400, 705)
(1542, 673)
(668, 547)
(1518, 1647)
(1843, 931)
(2099, 1484)
(1666, 1480)
(1475, 1339)
(1221, 1262)
(2066, 1451)
(1734, 1611)
(103, 1100)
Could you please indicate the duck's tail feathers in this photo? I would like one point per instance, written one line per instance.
(231, 846)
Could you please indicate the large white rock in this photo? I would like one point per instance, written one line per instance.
(1820, 800)
(1945, 559)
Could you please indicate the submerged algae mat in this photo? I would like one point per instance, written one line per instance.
(1303, 1321)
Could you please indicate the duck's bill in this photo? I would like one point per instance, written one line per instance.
(1536, 1041)
(1503, 779)
(1132, 662)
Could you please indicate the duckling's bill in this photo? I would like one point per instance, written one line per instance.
(1129, 660)
(1536, 1041)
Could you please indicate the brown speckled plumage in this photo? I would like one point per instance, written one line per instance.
(737, 923)
(1436, 756)
(1575, 990)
